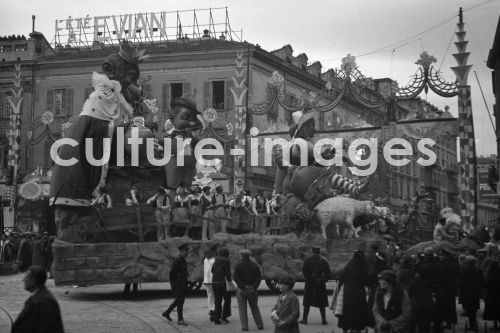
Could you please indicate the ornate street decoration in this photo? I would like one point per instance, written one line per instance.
(426, 77)
(47, 117)
(65, 127)
(348, 64)
(230, 129)
(151, 105)
(15, 123)
(209, 115)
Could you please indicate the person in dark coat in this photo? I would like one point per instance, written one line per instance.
(471, 282)
(37, 252)
(316, 272)
(354, 278)
(286, 312)
(406, 272)
(422, 304)
(430, 271)
(392, 307)
(41, 311)
(447, 293)
(221, 272)
(247, 276)
(24, 255)
(379, 266)
(178, 282)
(492, 298)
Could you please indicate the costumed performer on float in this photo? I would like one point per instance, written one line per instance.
(184, 123)
(116, 94)
(305, 186)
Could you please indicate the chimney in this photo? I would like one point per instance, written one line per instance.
(33, 23)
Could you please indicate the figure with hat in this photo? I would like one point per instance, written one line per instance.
(196, 213)
(286, 312)
(183, 124)
(316, 272)
(180, 212)
(260, 210)
(219, 202)
(392, 308)
(431, 272)
(304, 186)
(179, 284)
(161, 203)
(207, 210)
(470, 286)
(24, 254)
(116, 94)
(351, 308)
(380, 264)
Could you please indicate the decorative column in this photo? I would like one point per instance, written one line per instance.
(15, 123)
(239, 91)
(468, 162)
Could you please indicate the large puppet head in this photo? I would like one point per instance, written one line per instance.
(185, 114)
(124, 68)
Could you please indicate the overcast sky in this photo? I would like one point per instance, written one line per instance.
(326, 31)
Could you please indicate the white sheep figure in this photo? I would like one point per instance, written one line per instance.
(342, 211)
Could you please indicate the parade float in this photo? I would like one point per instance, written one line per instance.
(321, 207)
(117, 245)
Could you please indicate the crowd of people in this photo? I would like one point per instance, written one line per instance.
(417, 294)
(199, 212)
(18, 251)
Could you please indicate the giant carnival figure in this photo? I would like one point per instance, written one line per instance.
(312, 190)
(117, 98)
(116, 93)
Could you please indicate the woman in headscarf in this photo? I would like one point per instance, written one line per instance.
(354, 278)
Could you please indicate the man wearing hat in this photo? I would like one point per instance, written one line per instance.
(161, 203)
(316, 272)
(207, 210)
(178, 282)
(184, 122)
(392, 308)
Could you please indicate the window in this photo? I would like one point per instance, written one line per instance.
(60, 101)
(6, 107)
(176, 90)
(218, 94)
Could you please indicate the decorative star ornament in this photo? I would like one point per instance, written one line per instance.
(425, 60)
(348, 64)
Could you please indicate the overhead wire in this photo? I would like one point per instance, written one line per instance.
(411, 39)
(446, 52)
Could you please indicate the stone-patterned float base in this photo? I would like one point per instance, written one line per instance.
(105, 263)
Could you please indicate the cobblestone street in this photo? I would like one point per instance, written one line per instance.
(104, 308)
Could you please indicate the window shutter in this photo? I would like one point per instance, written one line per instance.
(166, 98)
(3, 100)
(207, 95)
(186, 87)
(50, 100)
(228, 100)
(68, 102)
